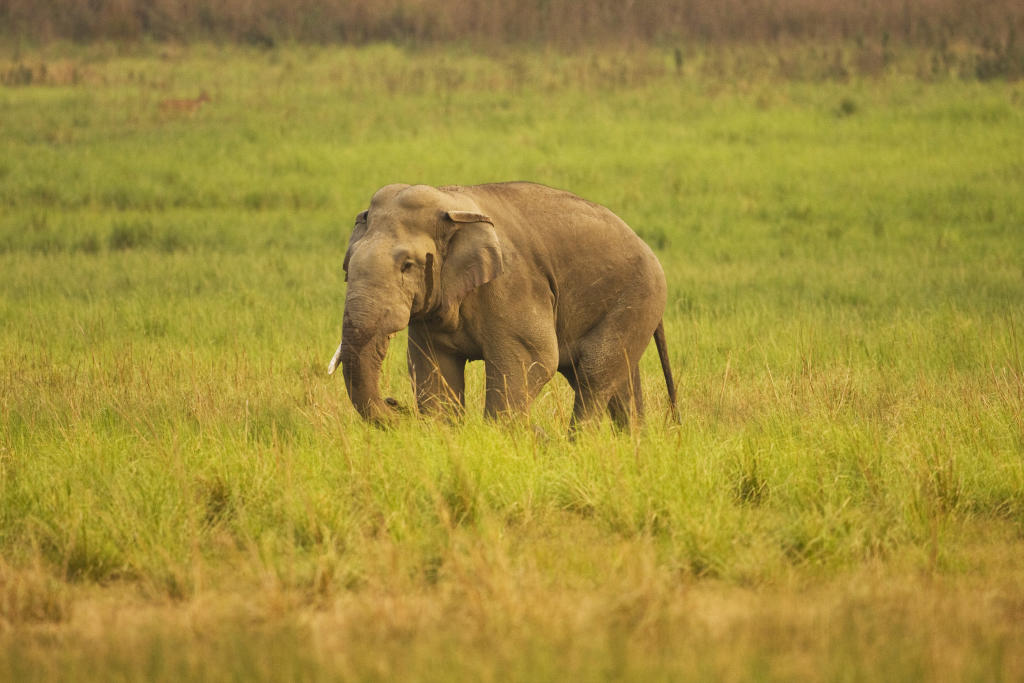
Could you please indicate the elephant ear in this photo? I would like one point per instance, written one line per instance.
(357, 234)
(473, 257)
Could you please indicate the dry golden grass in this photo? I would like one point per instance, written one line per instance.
(186, 106)
(506, 605)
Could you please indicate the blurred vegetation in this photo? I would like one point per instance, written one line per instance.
(537, 22)
(985, 32)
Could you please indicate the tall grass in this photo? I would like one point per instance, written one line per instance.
(550, 22)
(184, 492)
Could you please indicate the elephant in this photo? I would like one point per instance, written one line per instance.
(530, 279)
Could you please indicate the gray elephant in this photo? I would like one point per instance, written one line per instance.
(529, 279)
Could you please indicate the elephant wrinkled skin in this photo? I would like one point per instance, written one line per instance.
(529, 279)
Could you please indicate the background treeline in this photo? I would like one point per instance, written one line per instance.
(993, 24)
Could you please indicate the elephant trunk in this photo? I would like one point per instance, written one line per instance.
(361, 360)
(364, 343)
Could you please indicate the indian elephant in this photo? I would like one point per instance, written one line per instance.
(527, 278)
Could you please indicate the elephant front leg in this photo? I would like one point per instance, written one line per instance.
(514, 378)
(438, 379)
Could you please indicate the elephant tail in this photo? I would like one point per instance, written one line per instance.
(659, 341)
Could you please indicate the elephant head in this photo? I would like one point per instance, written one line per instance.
(414, 254)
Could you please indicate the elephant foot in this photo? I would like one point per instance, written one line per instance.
(396, 406)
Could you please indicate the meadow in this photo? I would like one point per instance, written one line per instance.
(186, 494)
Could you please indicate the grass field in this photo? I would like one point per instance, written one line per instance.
(185, 493)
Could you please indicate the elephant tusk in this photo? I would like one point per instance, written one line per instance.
(335, 362)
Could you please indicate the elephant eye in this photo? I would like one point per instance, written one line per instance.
(407, 265)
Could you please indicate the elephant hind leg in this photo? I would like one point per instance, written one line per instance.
(624, 401)
(605, 373)
(594, 397)
(585, 404)
(626, 405)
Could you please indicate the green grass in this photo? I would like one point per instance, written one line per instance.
(843, 500)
